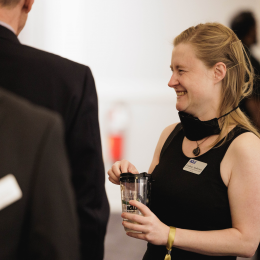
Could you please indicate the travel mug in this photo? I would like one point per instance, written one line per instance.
(134, 187)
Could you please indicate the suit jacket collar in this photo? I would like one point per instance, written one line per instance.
(8, 35)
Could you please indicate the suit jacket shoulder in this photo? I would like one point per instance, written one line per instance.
(28, 113)
(32, 149)
(60, 65)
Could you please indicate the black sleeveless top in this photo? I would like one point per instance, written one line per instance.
(189, 201)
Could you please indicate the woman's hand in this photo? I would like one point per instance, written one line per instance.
(153, 230)
(118, 168)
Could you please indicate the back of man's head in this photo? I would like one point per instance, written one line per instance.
(9, 3)
(242, 24)
(15, 12)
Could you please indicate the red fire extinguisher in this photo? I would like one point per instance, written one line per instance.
(118, 119)
(116, 147)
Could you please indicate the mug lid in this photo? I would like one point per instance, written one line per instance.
(128, 175)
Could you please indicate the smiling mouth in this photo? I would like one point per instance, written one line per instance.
(181, 93)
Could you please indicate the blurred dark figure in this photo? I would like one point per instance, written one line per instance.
(244, 25)
(38, 218)
(68, 88)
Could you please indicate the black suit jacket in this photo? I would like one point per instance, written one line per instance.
(68, 88)
(42, 225)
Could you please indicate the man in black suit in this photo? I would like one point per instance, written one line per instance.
(68, 88)
(38, 219)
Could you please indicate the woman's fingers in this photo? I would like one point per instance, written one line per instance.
(135, 227)
(134, 218)
(132, 169)
(118, 168)
(153, 230)
(114, 173)
(113, 181)
(126, 166)
(112, 177)
(143, 209)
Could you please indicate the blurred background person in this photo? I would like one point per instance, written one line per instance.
(38, 219)
(69, 89)
(245, 26)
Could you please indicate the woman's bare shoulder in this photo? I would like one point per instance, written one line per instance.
(245, 146)
(242, 158)
(166, 132)
(246, 140)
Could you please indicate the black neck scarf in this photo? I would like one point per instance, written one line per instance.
(195, 130)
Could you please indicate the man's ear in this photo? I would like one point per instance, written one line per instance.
(219, 71)
(28, 5)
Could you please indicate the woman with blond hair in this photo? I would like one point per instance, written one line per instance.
(205, 200)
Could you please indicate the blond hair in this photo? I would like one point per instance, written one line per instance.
(213, 43)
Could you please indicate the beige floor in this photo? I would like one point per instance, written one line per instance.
(118, 246)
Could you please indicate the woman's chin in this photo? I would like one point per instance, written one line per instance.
(180, 107)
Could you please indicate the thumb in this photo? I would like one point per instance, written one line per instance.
(143, 208)
(132, 169)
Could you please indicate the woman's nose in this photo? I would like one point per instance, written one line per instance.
(173, 80)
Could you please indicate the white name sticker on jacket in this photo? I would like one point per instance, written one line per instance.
(9, 191)
(194, 166)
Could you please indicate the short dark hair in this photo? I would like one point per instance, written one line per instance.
(242, 23)
(5, 3)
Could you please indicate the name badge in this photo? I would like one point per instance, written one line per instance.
(9, 191)
(195, 166)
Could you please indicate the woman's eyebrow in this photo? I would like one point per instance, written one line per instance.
(177, 66)
(180, 66)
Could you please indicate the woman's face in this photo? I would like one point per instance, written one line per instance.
(193, 83)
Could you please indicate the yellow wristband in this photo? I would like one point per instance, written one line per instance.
(170, 242)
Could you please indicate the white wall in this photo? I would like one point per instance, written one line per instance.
(128, 46)
(120, 38)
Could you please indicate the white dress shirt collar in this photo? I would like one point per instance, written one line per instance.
(7, 26)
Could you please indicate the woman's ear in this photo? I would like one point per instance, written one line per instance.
(219, 72)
